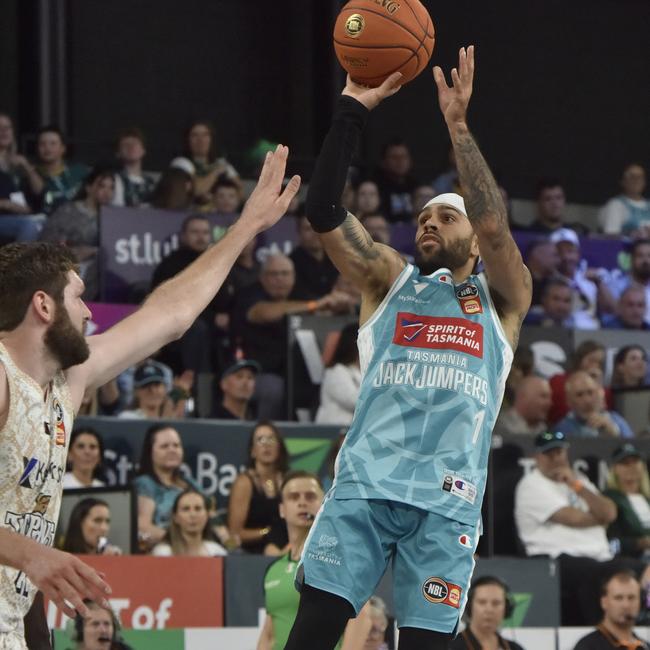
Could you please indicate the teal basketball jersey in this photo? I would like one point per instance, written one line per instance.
(434, 359)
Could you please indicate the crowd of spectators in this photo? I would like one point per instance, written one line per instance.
(240, 343)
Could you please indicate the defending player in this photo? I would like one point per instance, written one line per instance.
(46, 364)
(436, 346)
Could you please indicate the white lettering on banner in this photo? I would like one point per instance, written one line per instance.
(143, 249)
(274, 248)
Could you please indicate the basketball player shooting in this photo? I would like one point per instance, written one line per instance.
(436, 343)
(46, 365)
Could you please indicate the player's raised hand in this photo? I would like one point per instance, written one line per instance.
(371, 97)
(268, 202)
(65, 580)
(455, 99)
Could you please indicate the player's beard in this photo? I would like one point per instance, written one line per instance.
(64, 342)
(451, 257)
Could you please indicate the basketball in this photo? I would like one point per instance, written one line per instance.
(374, 38)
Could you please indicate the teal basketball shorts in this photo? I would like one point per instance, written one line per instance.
(352, 541)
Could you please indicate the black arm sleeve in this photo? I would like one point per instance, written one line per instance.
(324, 210)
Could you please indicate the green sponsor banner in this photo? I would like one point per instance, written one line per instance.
(136, 639)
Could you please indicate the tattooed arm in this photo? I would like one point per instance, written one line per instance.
(508, 278)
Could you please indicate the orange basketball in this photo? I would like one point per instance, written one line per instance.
(374, 38)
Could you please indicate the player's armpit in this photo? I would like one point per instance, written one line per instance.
(370, 266)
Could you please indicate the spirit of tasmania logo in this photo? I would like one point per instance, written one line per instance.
(413, 330)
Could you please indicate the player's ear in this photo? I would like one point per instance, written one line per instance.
(44, 306)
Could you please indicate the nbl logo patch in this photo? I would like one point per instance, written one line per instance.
(439, 591)
(436, 333)
(469, 299)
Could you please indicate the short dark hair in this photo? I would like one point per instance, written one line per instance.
(130, 132)
(225, 182)
(547, 183)
(393, 142)
(624, 575)
(298, 473)
(193, 217)
(74, 539)
(637, 243)
(26, 268)
(51, 128)
(556, 282)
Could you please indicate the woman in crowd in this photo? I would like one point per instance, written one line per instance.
(253, 511)
(588, 356)
(159, 482)
(629, 212)
(630, 367)
(628, 485)
(488, 604)
(368, 199)
(85, 454)
(174, 190)
(20, 187)
(189, 529)
(88, 529)
(341, 381)
(201, 149)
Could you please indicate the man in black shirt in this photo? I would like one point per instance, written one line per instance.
(237, 387)
(621, 603)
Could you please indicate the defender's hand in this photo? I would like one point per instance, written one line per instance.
(371, 97)
(454, 101)
(268, 202)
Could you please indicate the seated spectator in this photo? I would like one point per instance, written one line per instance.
(315, 274)
(629, 212)
(620, 601)
(133, 186)
(368, 200)
(20, 189)
(342, 381)
(76, 224)
(591, 292)
(630, 367)
(523, 365)
(226, 198)
(61, 181)
(150, 397)
(378, 614)
(98, 630)
(447, 181)
(159, 482)
(395, 181)
(556, 306)
(588, 356)
(246, 269)
(175, 188)
(201, 150)
(551, 206)
(199, 348)
(639, 273)
(237, 387)
(260, 321)
(253, 514)
(631, 310)
(588, 416)
(88, 529)
(85, 455)
(543, 262)
(628, 486)
(189, 531)
(529, 412)
(422, 194)
(378, 228)
(104, 400)
(488, 604)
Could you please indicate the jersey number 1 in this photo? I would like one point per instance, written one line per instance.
(478, 425)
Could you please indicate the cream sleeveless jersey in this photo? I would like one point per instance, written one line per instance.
(434, 359)
(33, 448)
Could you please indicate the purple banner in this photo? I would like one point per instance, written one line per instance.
(133, 241)
(105, 315)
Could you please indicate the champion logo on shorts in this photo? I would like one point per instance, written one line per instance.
(439, 591)
(465, 540)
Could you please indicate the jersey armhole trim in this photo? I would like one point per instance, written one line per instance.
(493, 313)
(397, 285)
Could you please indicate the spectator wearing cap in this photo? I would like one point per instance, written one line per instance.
(561, 514)
(591, 293)
(529, 412)
(150, 396)
(588, 416)
(628, 486)
(543, 262)
(631, 310)
(237, 387)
